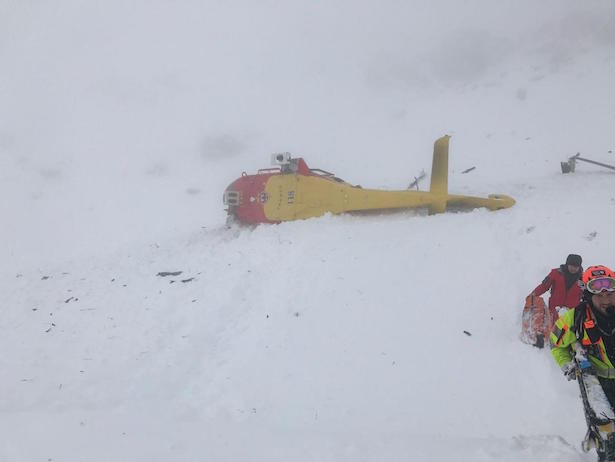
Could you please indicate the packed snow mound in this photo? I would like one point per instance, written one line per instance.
(332, 338)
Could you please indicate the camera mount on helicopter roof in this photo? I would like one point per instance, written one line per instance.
(570, 165)
(287, 163)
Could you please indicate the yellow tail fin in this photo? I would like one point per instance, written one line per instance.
(439, 175)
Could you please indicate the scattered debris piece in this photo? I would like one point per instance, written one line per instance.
(591, 236)
(415, 183)
(570, 165)
(50, 327)
(529, 229)
(44, 278)
(68, 299)
(468, 170)
(187, 280)
(467, 333)
(164, 274)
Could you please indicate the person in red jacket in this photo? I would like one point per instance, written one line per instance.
(563, 283)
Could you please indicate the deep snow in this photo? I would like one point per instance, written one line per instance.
(331, 339)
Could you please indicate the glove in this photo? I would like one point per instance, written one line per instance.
(585, 366)
(581, 359)
(570, 370)
(561, 310)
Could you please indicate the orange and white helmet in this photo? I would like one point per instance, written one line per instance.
(598, 278)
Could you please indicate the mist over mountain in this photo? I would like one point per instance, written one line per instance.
(122, 121)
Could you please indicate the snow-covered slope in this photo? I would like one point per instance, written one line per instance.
(338, 338)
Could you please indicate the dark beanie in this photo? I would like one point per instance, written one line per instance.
(574, 260)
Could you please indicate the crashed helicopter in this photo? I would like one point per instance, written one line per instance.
(293, 191)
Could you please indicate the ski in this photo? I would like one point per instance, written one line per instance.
(599, 414)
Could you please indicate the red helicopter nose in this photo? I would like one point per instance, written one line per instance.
(246, 197)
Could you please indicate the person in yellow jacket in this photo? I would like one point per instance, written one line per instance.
(584, 338)
(592, 325)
